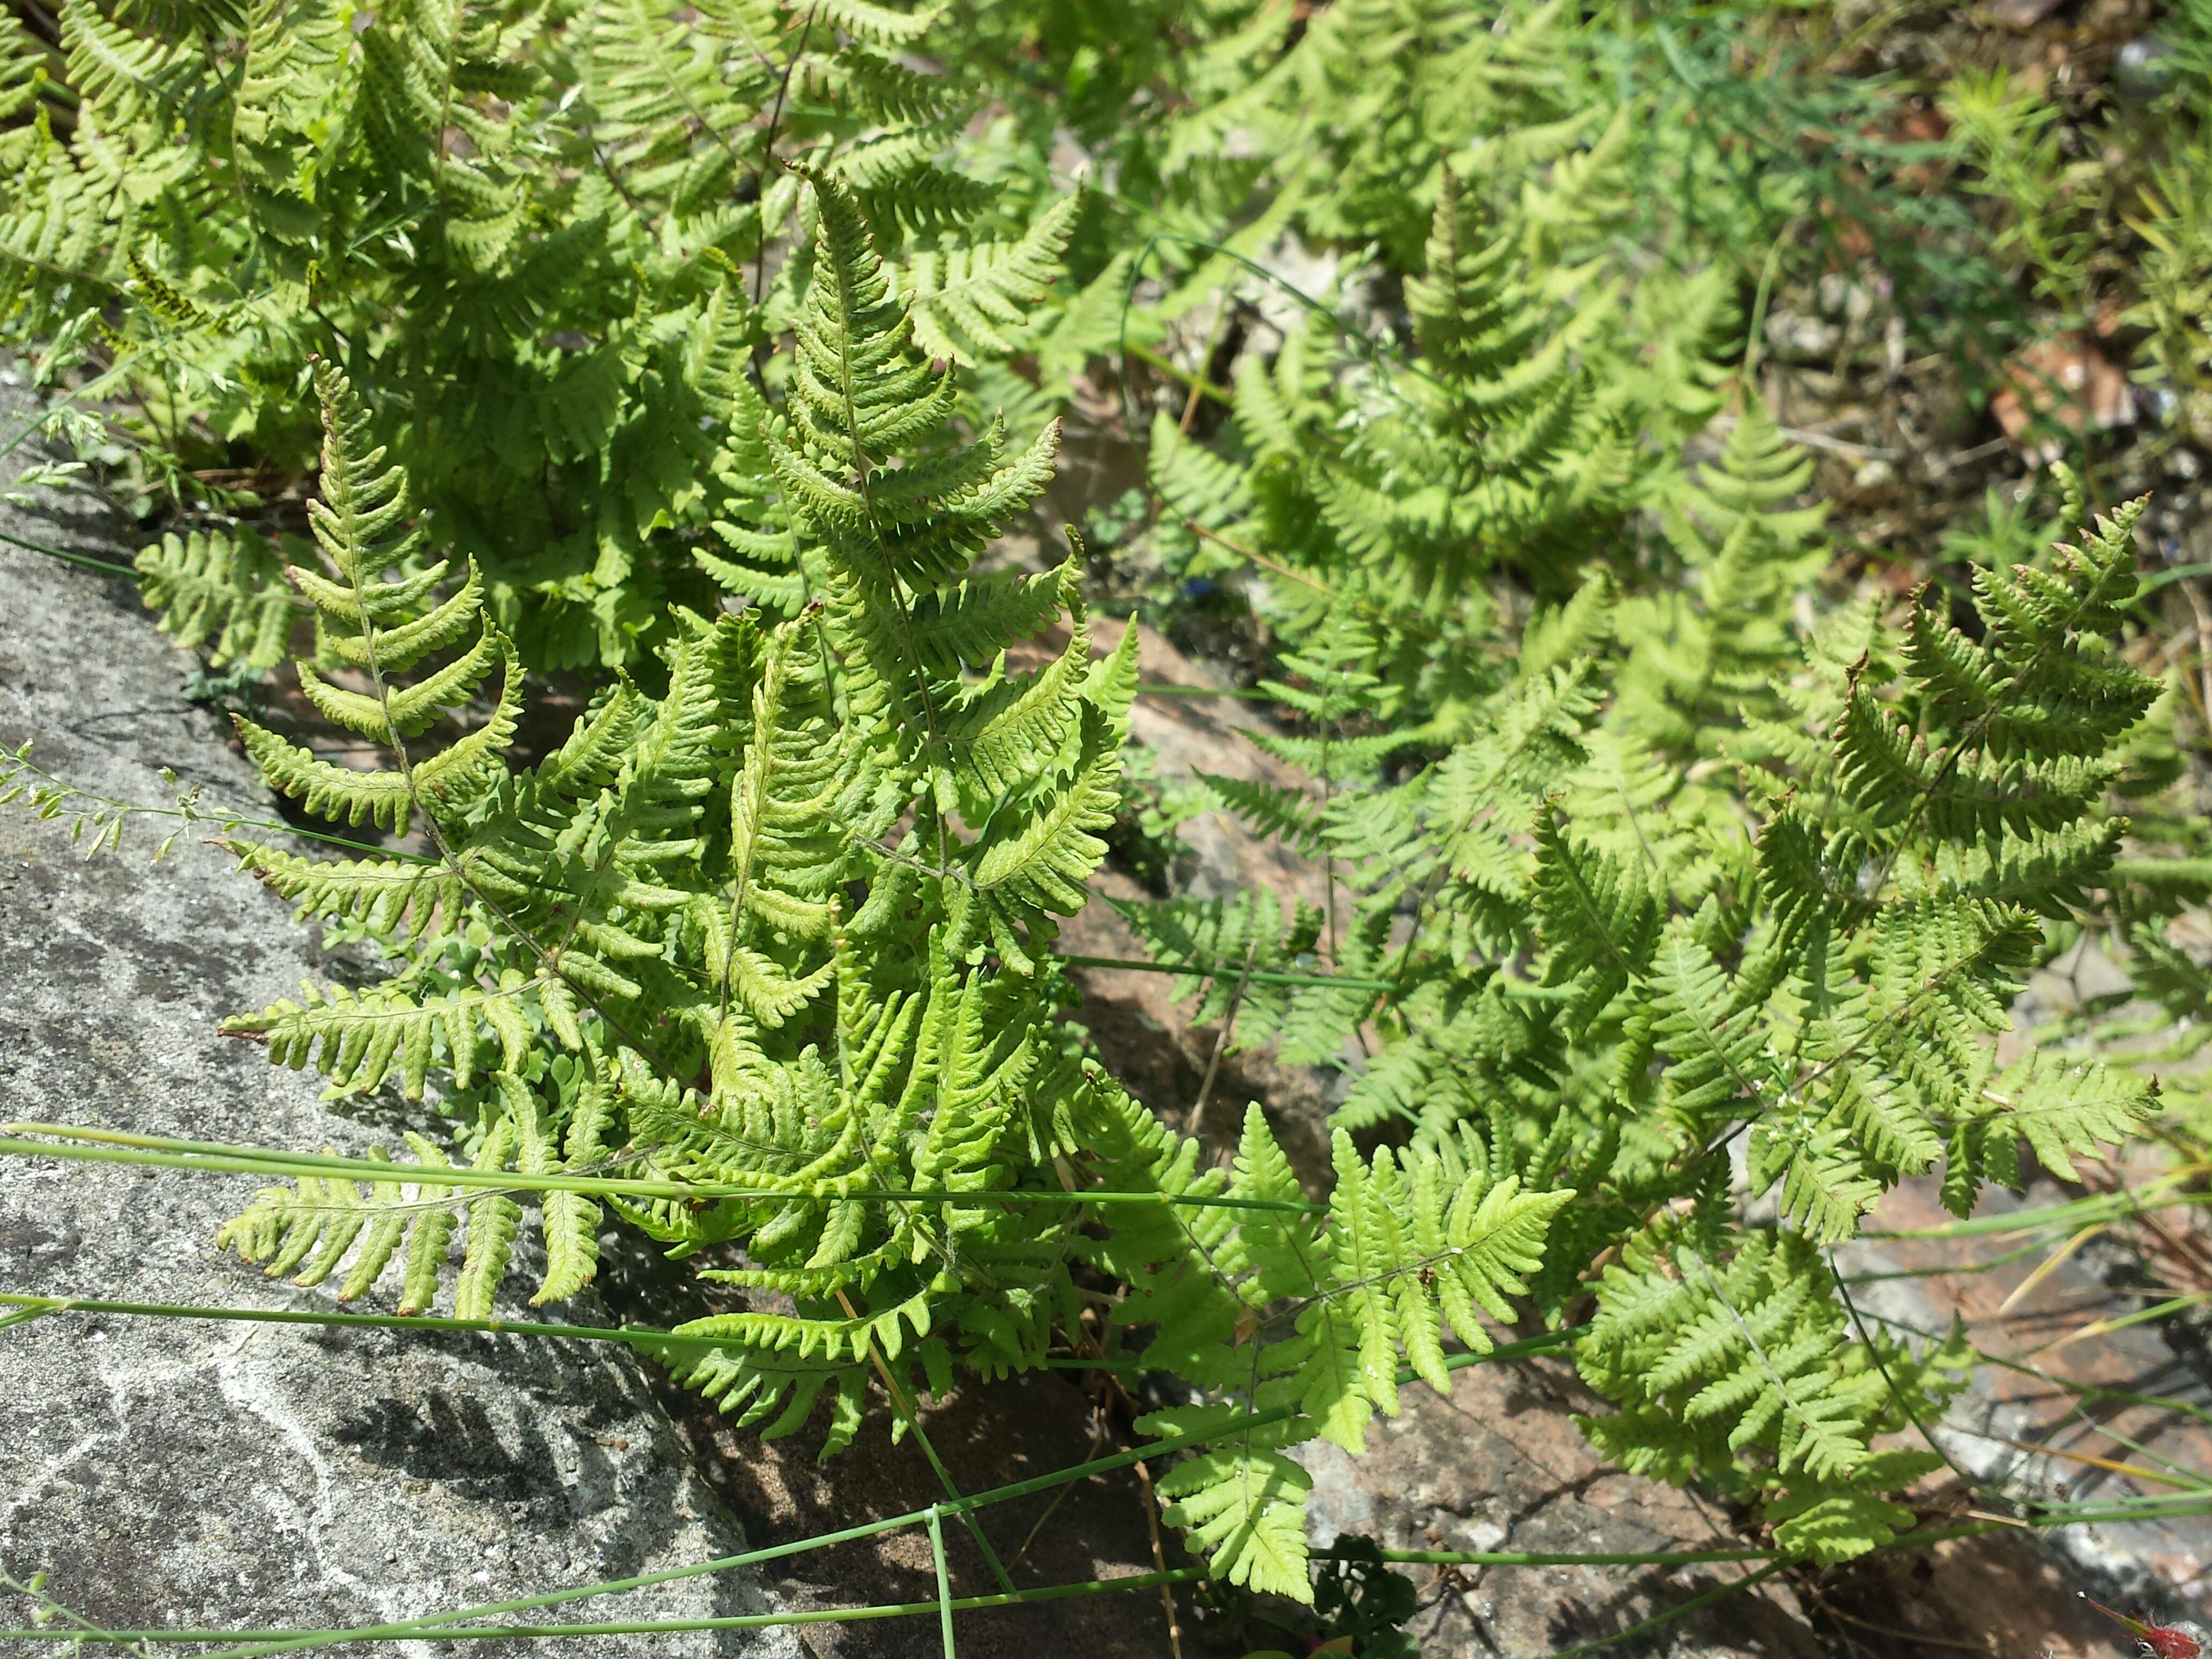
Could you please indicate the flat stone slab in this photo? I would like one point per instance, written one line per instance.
(196, 1475)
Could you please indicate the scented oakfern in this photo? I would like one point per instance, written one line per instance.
(771, 948)
(1619, 968)
(536, 237)
(1518, 439)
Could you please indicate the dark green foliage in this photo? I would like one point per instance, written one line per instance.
(1356, 1595)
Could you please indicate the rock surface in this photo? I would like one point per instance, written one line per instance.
(244, 1475)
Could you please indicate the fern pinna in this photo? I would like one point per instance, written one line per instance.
(1686, 969)
(775, 939)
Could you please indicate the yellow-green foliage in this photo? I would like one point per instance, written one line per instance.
(1680, 892)
(776, 939)
(1673, 904)
(534, 236)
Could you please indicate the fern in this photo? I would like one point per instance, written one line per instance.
(775, 931)
(509, 225)
(381, 628)
(1268, 1308)
(972, 303)
(1626, 931)
(221, 593)
(693, 349)
(1246, 1510)
(1747, 1345)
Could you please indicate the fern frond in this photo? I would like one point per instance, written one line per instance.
(1046, 863)
(494, 1217)
(1246, 1509)
(422, 897)
(1598, 917)
(225, 591)
(1422, 1254)
(1749, 1345)
(356, 1038)
(970, 303)
(312, 1224)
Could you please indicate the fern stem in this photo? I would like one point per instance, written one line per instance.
(1199, 384)
(12, 766)
(767, 152)
(1225, 308)
(1896, 1396)
(1228, 1027)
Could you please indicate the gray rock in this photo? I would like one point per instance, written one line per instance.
(244, 1475)
(1797, 338)
(1499, 1464)
(2016, 1429)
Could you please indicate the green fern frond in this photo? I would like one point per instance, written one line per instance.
(1832, 1522)
(313, 1223)
(1229, 938)
(1422, 1254)
(1745, 1347)
(1598, 917)
(1246, 1509)
(421, 897)
(973, 302)
(356, 1038)
(384, 628)
(219, 591)
(1045, 863)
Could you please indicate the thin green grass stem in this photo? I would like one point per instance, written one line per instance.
(2100, 1206)
(294, 1641)
(107, 567)
(1209, 971)
(29, 1308)
(944, 1582)
(168, 1152)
